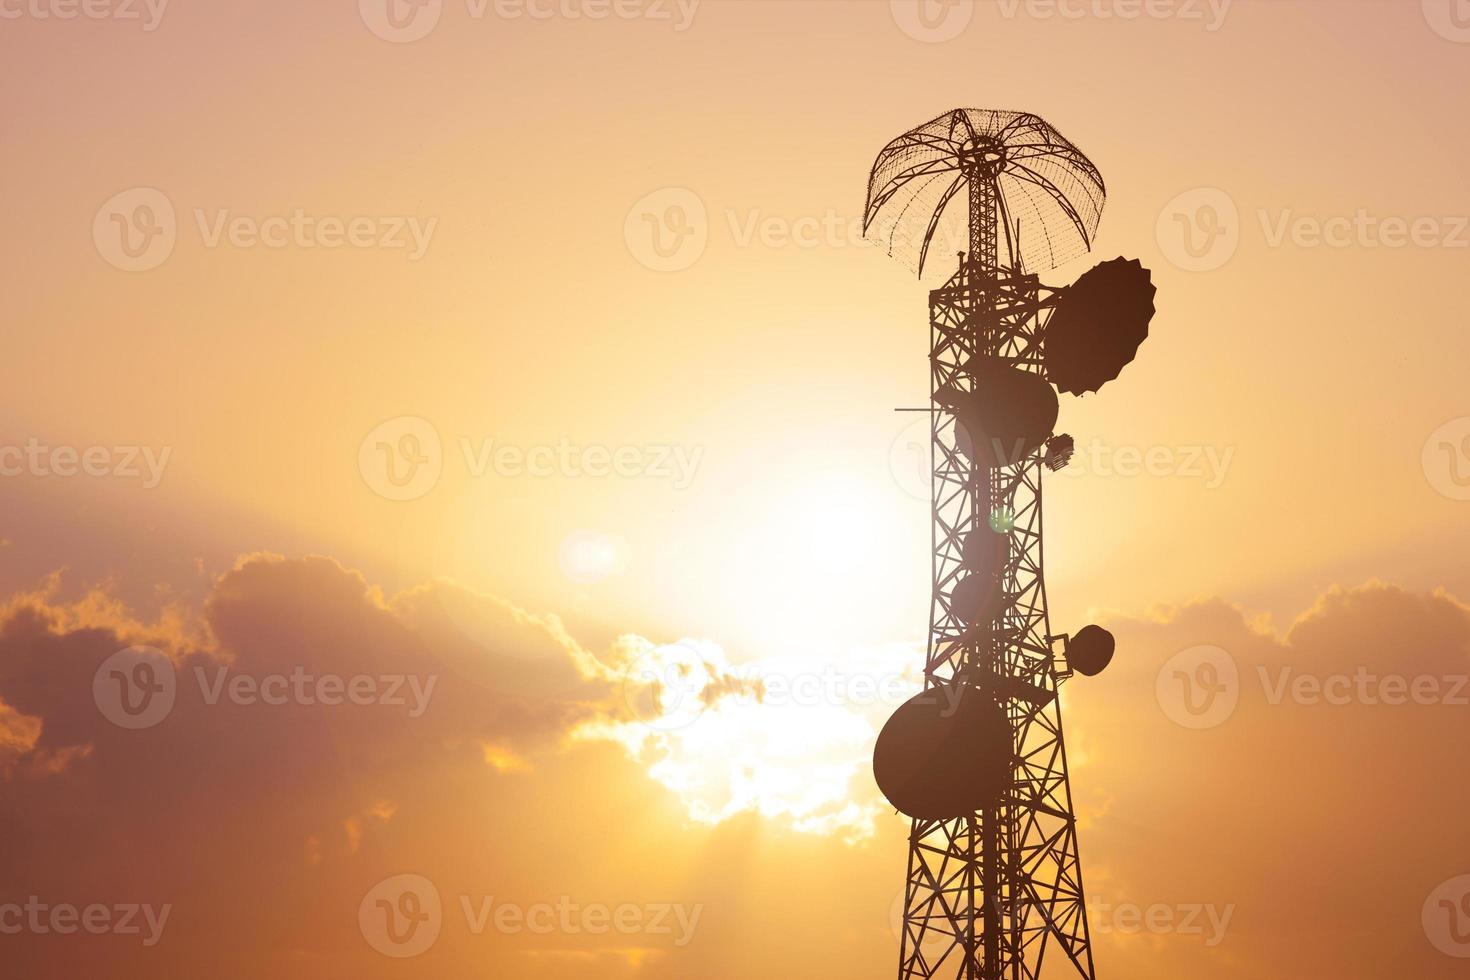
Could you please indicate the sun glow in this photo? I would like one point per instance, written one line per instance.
(783, 737)
(786, 733)
(817, 566)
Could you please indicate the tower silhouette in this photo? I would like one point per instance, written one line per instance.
(994, 881)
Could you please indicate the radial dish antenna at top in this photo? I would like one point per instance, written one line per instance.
(1004, 186)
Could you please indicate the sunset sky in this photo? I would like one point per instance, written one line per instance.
(528, 352)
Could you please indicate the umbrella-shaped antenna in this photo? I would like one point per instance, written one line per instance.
(1024, 183)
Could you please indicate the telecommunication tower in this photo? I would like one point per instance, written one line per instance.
(978, 760)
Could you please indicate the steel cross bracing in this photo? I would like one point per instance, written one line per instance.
(997, 894)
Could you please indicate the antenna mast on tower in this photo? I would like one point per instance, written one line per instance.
(978, 761)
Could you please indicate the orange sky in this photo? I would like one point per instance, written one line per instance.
(602, 274)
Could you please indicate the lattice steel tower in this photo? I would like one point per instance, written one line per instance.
(994, 887)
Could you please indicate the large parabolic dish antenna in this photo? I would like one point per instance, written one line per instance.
(1098, 325)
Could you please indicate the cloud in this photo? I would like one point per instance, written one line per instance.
(1326, 799)
(790, 739)
(542, 771)
(229, 785)
(260, 791)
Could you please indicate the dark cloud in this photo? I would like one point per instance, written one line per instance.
(1324, 808)
(221, 807)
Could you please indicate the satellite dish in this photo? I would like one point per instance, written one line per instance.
(1007, 417)
(1059, 452)
(1097, 325)
(985, 550)
(1090, 651)
(945, 753)
(976, 599)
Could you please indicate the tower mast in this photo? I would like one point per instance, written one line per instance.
(996, 892)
